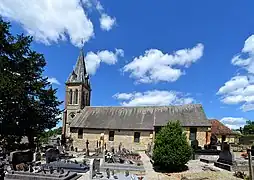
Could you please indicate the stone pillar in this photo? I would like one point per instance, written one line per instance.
(91, 173)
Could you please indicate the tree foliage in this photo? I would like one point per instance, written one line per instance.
(248, 128)
(28, 103)
(44, 137)
(171, 148)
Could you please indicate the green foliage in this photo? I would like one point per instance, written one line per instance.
(44, 137)
(171, 148)
(28, 103)
(248, 128)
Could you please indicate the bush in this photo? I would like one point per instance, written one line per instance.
(171, 148)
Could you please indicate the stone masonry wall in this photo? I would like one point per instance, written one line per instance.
(126, 137)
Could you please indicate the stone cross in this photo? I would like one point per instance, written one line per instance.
(120, 147)
(87, 149)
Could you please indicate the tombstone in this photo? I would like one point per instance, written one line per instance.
(97, 144)
(100, 144)
(76, 149)
(52, 155)
(18, 157)
(213, 142)
(194, 144)
(105, 146)
(51, 170)
(225, 155)
(120, 147)
(72, 148)
(149, 147)
(87, 149)
(113, 150)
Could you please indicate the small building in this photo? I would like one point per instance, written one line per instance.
(223, 133)
(134, 127)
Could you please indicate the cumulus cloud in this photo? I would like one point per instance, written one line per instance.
(155, 66)
(93, 60)
(107, 22)
(53, 80)
(155, 97)
(240, 89)
(233, 123)
(53, 21)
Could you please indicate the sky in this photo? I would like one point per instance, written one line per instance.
(148, 53)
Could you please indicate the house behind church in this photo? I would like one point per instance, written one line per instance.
(134, 127)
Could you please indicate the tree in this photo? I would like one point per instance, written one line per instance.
(248, 128)
(44, 137)
(28, 102)
(171, 148)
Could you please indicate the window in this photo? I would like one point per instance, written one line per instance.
(193, 134)
(70, 96)
(136, 137)
(76, 97)
(80, 133)
(111, 135)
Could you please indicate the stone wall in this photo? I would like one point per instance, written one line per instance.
(126, 137)
(201, 135)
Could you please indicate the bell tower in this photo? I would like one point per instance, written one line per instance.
(77, 94)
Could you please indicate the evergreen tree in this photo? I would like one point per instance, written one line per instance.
(28, 103)
(171, 149)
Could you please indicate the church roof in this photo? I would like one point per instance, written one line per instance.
(79, 74)
(140, 117)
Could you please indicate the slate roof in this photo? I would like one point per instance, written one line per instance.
(218, 128)
(79, 73)
(144, 118)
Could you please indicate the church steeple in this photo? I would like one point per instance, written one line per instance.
(79, 73)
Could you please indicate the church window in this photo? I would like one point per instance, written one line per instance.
(193, 134)
(70, 96)
(80, 133)
(137, 137)
(111, 135)
(76, 97)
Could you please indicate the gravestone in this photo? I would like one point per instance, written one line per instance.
(18, 157)
(194, 144)
(226, 156)
(120, 147)
(149, 148)
(52, 155)
(87, 149)
(213, 142)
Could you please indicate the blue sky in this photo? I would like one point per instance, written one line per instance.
(148, 53)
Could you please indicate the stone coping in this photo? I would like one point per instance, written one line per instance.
(38, 176)
(123, 167)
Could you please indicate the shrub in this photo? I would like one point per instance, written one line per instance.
(171, 148)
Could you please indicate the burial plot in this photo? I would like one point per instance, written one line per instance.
(225, 160)
(52, 155)
(19, 157)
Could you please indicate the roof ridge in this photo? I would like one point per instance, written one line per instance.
(194, 105)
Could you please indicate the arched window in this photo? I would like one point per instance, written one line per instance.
(70, 96)
(76, 97)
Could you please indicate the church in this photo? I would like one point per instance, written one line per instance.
(134, 127)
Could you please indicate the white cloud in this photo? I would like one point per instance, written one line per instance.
(233, 123)
(107, 22)
(93, 60)
(240, 89)
(50, 21)
(53, 80)
(57, 20)
(156, 66)
(155, 97)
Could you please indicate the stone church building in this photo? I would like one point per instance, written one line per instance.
(134, 127)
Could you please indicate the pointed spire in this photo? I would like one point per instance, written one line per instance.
(79, 74)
